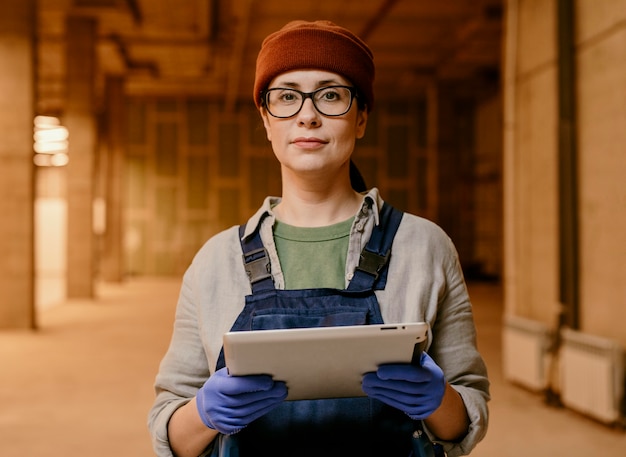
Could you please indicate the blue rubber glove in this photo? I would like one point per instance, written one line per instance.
(415, 390)
(229, 403)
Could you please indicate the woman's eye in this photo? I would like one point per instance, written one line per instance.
(332, 95)
(288, 97)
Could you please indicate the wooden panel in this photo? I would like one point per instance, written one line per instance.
(166, 149)
(228, 149)
(136, 122)
(397, 151)
(198, 122)
(197, 183)
(190, 178)
(229, 204)
(136, 182)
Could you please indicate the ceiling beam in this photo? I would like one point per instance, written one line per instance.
(133, 65)
(131, 5)
(375, 20)
(135, 11)
(236, 59)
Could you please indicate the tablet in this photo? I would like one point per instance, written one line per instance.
(323, 362)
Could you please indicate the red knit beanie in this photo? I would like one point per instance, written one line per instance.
(319, 45)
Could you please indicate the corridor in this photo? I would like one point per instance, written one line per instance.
(82, 384)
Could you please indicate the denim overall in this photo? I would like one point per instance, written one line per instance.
(328, 427)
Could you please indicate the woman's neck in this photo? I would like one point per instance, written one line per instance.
(316, 207)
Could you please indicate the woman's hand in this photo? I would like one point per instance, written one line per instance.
(417, 390)
(229, 403)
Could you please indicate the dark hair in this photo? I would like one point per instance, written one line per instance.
(356, 178)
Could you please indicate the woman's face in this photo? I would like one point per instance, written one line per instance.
(310, 142)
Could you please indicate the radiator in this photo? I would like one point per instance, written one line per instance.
(525, 354)
(592, 375)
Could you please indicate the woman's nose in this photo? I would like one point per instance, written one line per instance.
(309, 115)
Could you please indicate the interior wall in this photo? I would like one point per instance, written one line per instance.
(51, 238)
(17, 178)
(531, 158)
(601, 72)
(186, 178)
(192, 170)
(531, 154)
(487, 197)
(455, 169)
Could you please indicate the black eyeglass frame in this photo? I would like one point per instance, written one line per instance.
(353, 94)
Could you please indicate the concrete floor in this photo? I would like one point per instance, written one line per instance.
(82, 384)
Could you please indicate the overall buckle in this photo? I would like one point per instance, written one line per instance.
(257, 266)
(372, 263)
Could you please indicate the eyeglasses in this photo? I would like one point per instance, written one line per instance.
(283, 102)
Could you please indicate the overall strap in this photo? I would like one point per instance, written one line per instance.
(371, 272)
(256, 261)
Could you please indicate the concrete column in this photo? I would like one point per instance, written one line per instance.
(112, 264)
(80, 120)
(17, 31)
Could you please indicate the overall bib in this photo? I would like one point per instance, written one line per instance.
(327, 427)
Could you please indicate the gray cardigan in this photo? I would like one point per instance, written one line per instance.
(424, 283)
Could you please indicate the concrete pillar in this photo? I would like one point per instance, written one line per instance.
(79, 118)
(112, 263)
(17, 31)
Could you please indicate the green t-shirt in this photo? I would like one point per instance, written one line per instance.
(313, 257)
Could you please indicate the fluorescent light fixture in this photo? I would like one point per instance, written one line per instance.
(46, 121)
(51, 134)
(50, 142)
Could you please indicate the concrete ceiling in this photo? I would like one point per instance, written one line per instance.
(209, 47)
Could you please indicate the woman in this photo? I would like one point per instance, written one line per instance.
(313, 88)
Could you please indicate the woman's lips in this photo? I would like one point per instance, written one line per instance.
(309, 143)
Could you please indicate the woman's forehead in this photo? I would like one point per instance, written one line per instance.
(308, 78)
